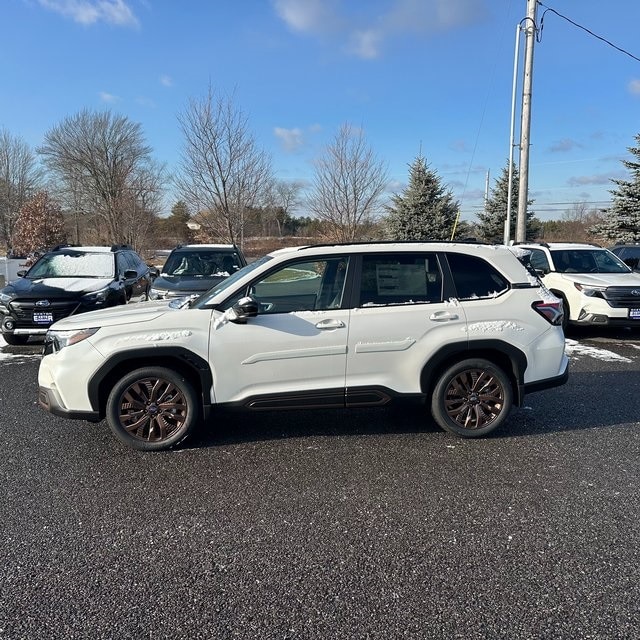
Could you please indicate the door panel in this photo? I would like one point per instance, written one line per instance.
(295, 344)
(400, 320)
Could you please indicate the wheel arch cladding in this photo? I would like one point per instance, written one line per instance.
(194, 369)
(508, 357)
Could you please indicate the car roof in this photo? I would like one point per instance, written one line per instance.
(561, 245)
(86, 249)
(195, 247)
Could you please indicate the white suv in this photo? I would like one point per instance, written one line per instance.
(596, 287)
(464, 328)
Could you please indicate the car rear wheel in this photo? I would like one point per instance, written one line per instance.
(472, 398)
(14, 340)
(152, 408)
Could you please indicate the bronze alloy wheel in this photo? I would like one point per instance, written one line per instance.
(152, 408)
(472, 398)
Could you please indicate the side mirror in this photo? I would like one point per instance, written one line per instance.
(242, 310)
(22, 273)
(130, 274)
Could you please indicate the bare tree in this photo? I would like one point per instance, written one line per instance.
(282, 198)
(348, 185)
(20, 177)
(100, 158)
(223, 174)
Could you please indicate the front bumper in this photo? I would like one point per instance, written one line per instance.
(50, 401)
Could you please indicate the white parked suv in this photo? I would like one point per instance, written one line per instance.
(466, 329)
(596, 287)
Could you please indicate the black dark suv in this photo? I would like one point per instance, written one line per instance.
(70, 280)
(628, 253)
(192, 269)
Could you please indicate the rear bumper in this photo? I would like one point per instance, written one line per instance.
(548, 383)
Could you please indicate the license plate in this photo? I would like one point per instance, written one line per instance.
(43, 317)
(634, 314)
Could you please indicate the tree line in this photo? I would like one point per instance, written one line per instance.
(94, 180)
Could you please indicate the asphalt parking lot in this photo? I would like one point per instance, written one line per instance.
(365, 524)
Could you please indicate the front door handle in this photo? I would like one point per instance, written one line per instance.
(443, 316)
(329, 323)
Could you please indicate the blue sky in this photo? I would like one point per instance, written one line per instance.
(418, 76)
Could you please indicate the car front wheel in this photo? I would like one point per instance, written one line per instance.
(472, 398)
(152, 408)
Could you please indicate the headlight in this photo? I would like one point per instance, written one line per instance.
(5, 298)
(157, 294)
(589, 290)
(57, 339)
(96, 296)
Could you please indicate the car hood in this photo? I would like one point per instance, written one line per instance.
(111, 316)
(60, 287)
(605, 279)
(187, 284)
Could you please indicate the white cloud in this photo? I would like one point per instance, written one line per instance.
(291, 139)
(146, 102)
(108, 97)
(364, 32)
(565, 145)
(366, 44)
(308, 16)
(89, 12)
(580, 181)
(166, 81)
(634, 87)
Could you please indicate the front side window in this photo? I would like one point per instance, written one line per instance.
(302, 285)
(402, 278)
(475, 278)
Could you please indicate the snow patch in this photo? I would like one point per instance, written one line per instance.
(575, 349)
(162, 336)
(491, 327)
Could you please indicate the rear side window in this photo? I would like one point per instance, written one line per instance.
(402, 278)
(475, 278)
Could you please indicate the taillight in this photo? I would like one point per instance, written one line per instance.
(552, 311)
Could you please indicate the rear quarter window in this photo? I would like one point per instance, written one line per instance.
(475, 278)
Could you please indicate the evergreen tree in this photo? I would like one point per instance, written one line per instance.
(622, 222)
(175, 226)
(40, 225)
(425, 210)
(492, 219)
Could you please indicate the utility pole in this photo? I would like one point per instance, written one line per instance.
(512, 127)
(525, 127)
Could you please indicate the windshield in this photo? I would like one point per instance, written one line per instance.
(229, 282)
(73, 264)
(203, 263)
(587, 261)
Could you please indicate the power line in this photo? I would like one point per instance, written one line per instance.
(575, 24)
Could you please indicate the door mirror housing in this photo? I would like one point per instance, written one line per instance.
(242, 310)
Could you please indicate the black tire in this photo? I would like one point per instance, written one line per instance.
(565, 315)
(472, 398)
(14, 340)
(152, 409)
